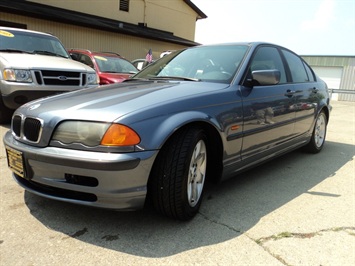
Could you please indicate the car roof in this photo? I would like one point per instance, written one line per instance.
(252, 44)
(93, 53)
(256, 43)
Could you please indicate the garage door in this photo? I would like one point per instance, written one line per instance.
(332, 76)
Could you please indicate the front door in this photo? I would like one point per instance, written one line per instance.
(268, 119)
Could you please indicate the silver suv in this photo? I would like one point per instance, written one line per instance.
(34, 65)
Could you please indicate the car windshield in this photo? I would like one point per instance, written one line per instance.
(200, 63)
(110, 64)
(28, 42)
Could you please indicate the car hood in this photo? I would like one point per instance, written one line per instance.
(110, 102)
(36, 61)
(115, 77)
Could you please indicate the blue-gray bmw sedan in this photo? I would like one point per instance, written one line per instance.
(201, 114)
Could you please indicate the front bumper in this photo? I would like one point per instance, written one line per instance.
(98, 179)
(15, 94)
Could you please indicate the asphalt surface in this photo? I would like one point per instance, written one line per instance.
(296, 210)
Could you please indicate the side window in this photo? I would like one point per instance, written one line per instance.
(74, 56)
(86, 60)
(309, 73)
(298, 71)
(268, 58)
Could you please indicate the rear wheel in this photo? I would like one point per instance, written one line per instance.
(318, 136)
(177, 180)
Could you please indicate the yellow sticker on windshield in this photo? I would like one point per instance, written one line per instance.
(6, 33)
(100, 58)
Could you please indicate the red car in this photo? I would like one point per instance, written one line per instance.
(110, 67)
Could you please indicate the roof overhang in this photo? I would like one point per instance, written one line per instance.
(198, 11)
(65, 16)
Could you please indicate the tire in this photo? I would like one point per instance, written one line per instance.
(177, 180)
(5, 113)
(319, 133)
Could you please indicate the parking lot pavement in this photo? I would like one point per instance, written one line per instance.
(295, 210)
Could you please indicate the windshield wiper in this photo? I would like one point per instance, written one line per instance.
(47, 53)
(120, 72)
(14, 51)
(173, 77)
(135, 79)
(130, 72)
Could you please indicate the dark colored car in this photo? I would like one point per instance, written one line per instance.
(201, 114)
(110, 67)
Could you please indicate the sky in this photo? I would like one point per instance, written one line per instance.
(307, 27)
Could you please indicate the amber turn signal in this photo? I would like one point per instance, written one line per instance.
(120, 135)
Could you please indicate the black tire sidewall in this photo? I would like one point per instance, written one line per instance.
(167, 186)
(191, 211)
(312, 146)
(5, 113)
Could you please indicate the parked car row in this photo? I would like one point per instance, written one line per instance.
(33, 65)
(110, 67)
(201, 114)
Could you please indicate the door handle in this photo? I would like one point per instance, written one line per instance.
(289, 93)
(314, 90)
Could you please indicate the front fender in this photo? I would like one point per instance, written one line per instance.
(154, 132)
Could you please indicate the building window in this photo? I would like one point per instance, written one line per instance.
(124, 5)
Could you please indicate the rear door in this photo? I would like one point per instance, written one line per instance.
(305, 97)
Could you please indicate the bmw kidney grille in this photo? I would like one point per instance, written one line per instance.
(27, 128)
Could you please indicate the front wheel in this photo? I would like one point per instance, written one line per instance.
(177, 180)
(5, 113)
(318, 136)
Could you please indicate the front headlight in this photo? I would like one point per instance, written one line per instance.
(93, 79)
(94, 134)
(18, 75)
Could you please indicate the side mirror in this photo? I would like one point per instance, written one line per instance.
(74, 57)
(266, 77)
